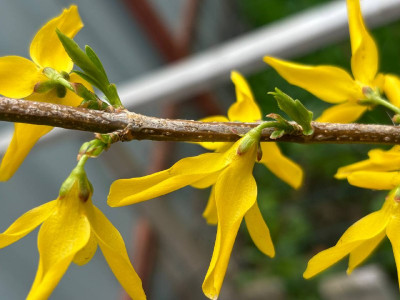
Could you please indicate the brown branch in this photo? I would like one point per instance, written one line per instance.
(135, 126)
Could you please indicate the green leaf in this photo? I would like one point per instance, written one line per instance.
(113, 96)
(88, 78)
(95, 59)
(277, 134)
(93, 70)
(295, 110)
(81, 59)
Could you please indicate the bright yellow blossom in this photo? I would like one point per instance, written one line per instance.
(245, 109)
(71, 231)
(18, 77)
(335, 85)
(380, 172)
(362, 238)
(234, 191)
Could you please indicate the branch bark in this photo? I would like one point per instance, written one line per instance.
(135, 126)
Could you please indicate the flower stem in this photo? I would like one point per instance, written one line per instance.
(374, 98)
(388, 105)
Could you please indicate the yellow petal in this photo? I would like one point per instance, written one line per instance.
(46, 49)
(344, 172)
(235, 194)
(375, 180)
(18, 76)
(392, 89)
(185, 172)
(327, 258)
(364, 60)
(259, 231)
(330, 84)
(281, 166)
(245, 109)
(210, 212)
(84, 255)
(206, 181)
(26, 223)
(113, 247)
(24, 138)
(379, 161)
(61, 236)
(368, 227)
(365, 229)
(393, 234)
(347, 112)
(359, 254)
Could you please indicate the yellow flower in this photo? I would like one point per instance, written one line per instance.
(234, 191)
(71, 230)
(18, 77)
(335, 85)
(235, 194)
(245, 109)
(380, 172)
(362, 238)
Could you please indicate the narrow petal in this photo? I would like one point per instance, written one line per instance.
(393, 234)
(46, 49)
(24, 138)
(61, 236)
(364, 60)
(359, 254)
(206, 181)
(367, 228)
(392, 89)
(330, 84)
(84, 255)
(259, 231)
(281, 166)
(26, 223)
(210, 212)
(235, 194)
(185, 172)
(344, 172)
(245, 109)
(379, 161)
(375, 180)
(113, 247)
(327, 258)
(18, 76)
(347, 112)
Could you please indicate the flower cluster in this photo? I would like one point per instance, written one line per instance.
(72, 228)
(21, 78)
(234, 191)
(381, 170)
(351, 95)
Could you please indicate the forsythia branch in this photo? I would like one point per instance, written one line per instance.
(135, 126)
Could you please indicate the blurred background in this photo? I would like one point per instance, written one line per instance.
(173, 59)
